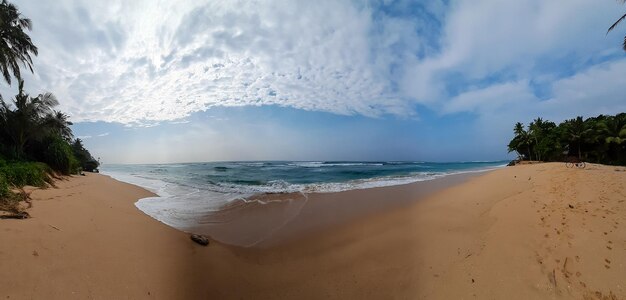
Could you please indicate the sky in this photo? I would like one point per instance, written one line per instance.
(184, 81)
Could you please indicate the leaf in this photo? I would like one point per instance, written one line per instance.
(615, 24)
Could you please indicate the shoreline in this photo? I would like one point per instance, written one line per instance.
(509, 233)
(280, 218)
(274, 213)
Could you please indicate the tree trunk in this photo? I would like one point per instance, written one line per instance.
(21, 145)
(537, 154)
(579, 156)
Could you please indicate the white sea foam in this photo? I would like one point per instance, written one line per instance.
(176, 205)
(183, 206)
(319, 164)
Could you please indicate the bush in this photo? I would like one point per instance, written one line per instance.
(25, 173)
(4, 187)
(85, 160)
(59, 156)
(19, 174)
(90, 165)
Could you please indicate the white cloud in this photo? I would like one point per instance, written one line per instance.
(591, 92)
(153, 61)
(490, 99)
(492, 40)
(144, 62)
(588, 93)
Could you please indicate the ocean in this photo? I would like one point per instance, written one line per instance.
(189, 192)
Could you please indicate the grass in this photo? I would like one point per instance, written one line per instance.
(18, 174)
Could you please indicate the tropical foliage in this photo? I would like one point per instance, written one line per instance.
(36, 140)
(15, 45)
(85, 160)
(600, 139)
(30, 129)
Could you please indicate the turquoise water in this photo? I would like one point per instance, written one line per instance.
(276, 177)
(189, 192)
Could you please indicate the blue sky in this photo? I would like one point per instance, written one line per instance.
(171, 81)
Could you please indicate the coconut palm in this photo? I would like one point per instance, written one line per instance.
(535, 130)
(57, 123)
(15, 45)
(27, 119)
(615, 24)
(600, 139)
(521, 142)
(577, 132)
(613, 131)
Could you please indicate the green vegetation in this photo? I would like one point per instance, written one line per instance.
(17, 174)
(26, 173)
(36, 141)
(601, 139)
(85, 160)
(4, 187)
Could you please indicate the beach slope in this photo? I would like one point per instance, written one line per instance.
(539, 231)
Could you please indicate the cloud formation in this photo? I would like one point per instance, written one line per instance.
(143, 62)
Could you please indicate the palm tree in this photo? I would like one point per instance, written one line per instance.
(577, 131)
(15, 45)
(521, 141)
(26, 120)
(535, 130)
(600, 139)
(58, 123)
(615, 24)
(613, 129)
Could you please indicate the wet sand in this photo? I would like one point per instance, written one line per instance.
(538, 231)
(272, 219)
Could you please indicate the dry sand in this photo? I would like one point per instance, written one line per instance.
(538, 231)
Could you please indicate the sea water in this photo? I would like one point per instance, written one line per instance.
(189, 192)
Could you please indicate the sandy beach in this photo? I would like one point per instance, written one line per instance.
(539, 231)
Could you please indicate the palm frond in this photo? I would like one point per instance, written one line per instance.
(48, 99)
(16, 47)
(615, 24)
